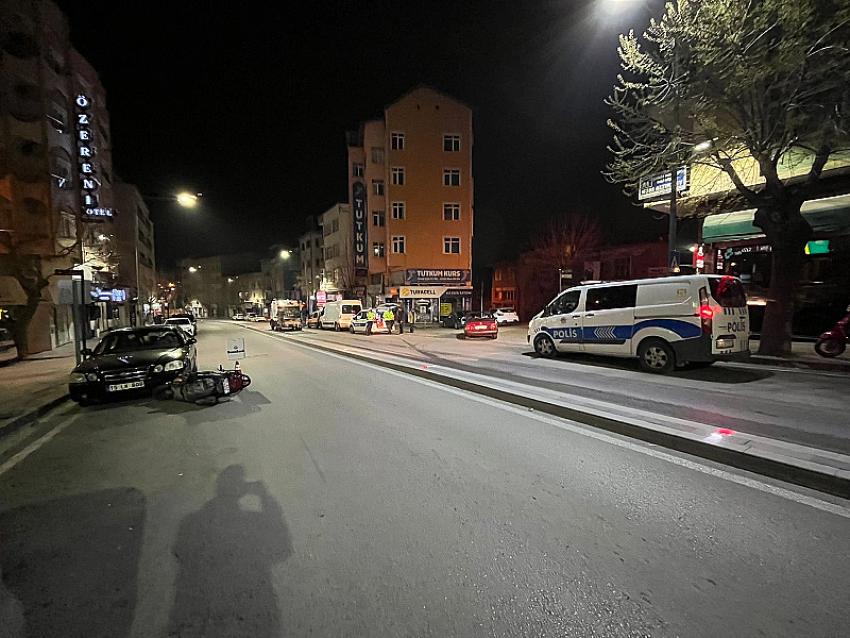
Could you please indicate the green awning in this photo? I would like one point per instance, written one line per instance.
(830, 216)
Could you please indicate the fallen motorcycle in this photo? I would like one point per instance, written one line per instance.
(205, 387)
(833, 342)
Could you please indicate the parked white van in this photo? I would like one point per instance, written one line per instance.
(664, 322)
(338, 314)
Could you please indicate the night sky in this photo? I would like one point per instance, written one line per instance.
(249, 103)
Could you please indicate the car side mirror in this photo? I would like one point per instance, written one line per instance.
(191, 340)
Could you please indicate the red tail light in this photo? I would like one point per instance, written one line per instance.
(706, 312)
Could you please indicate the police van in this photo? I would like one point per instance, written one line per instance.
(665, 322)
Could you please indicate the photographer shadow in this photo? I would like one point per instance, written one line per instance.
(226, 551)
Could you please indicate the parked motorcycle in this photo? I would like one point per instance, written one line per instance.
(204, 387)
(833, 342)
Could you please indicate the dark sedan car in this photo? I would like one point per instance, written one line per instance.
(132, 359)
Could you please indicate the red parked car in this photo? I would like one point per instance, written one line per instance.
(481, 327)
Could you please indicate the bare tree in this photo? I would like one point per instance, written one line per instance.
(554, 249)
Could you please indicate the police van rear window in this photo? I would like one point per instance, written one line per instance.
(728, 292)
(349, 310)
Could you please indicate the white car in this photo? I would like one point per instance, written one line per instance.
(505, 316)
(184, 323)
(238, 317)
(360, 323)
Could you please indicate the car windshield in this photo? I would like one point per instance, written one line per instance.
(289, 313)
(178, 321)
(142, 340)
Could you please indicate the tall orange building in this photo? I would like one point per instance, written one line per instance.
(410, 180)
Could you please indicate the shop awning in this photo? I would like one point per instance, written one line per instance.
(829, 216)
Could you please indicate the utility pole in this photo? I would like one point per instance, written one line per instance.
(672, 228)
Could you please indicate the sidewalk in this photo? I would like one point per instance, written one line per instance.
(30, 387)
(803, 356)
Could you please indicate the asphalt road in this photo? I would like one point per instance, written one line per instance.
(334, 498)
(800, 406)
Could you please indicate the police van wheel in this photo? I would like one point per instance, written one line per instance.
(351, 329)
(545, 347)
(656, 356)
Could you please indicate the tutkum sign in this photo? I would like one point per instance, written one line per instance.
(358, 210)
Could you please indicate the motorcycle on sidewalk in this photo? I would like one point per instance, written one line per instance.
(204, 387)
(833, 342)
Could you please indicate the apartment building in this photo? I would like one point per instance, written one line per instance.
(135, 236)
(411, 189)
(56, 209)
(339, 250)
(312, 262)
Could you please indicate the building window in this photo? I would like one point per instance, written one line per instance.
(378, 248)
(378, 187)
(451, 245)
(397, 175)
(379, 218)
(377, 155)
(318, 262)
(335, 226)
(318, 242)
(398, 244)
(451, 177)
(398, 209)
(451, 143)
(357, 169)
(451, 212)
(397, 141)
(498, 274)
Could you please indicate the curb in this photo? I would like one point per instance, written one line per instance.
(28, 417)
(801, 476)
(779, 362)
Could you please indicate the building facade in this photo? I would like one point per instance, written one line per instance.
(56, 209)
(411, 194)
(732, 244)
(135, 236)
(337, 239)
(312, 262)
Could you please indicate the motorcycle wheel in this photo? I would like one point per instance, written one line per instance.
(830, 347)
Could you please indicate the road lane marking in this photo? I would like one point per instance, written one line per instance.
(588, 431)
(16, 458)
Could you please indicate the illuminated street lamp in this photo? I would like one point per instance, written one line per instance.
(285, 254)
(187, 199)
(193, 269)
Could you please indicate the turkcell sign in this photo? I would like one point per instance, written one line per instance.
(358, 211)
(89, 182)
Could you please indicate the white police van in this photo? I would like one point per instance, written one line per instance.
(664, 322)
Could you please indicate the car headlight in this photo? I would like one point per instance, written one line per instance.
(157, 368)
(91, 376)
(77, 377)
(174, 365)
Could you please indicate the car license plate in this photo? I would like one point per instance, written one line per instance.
(481, 327)
(125, 386)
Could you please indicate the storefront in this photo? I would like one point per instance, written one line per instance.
(734, 245)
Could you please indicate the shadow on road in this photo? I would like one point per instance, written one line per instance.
(226, 552)
(725, 375)
(70, 565)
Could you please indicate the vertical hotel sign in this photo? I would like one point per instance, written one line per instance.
(358, 210)
(89, 182)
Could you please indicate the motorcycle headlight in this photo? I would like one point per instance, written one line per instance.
(174, 365)
(157, 368)
(77, 377)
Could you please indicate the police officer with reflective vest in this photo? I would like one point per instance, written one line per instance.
(389, 319)
(370, 320)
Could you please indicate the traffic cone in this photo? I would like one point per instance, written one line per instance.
(237, 365)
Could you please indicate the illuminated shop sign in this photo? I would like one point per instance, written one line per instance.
(89, 182)
(358, 210)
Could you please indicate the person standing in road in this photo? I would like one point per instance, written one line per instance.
(411, 319)
(389, 319)
(370, 320)
(401, 317)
